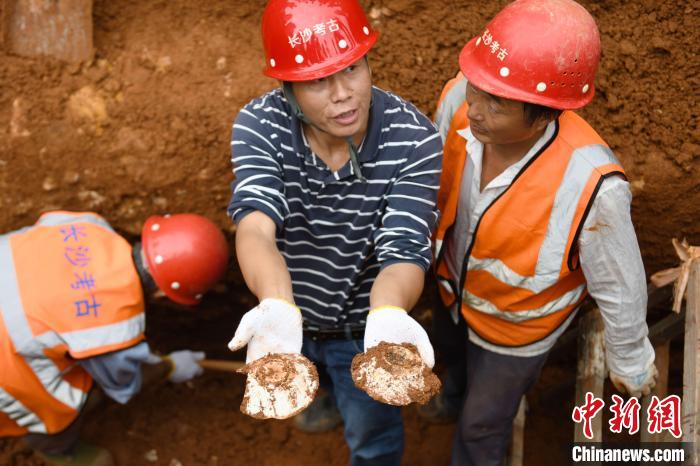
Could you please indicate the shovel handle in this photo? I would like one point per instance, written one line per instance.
(221, 365)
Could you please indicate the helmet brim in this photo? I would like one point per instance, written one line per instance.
(325, 69)
(476, 73)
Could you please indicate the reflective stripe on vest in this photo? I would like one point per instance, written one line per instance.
(549, 261)
(453, 96)
(84, 340)
(26, 345)
(551, 307)
(20, 414)
(63, 218)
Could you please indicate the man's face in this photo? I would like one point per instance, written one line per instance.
(500, 121)
(338, 104)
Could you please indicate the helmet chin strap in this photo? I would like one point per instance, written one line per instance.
(149, 285)
(352, 148)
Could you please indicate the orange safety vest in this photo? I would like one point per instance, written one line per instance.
(520, 278)
(68, 290)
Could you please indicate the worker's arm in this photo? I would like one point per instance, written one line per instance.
(259, 207)
(399, 284)
(274, 325)
(121, 374)
(411, 213)
(263, 267)
(402, 243)
(403, 249)
(612, 264)
(258, 202)
(155, 373)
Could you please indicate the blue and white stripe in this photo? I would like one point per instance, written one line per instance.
(336, 232)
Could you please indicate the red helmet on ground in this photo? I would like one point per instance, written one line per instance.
(312, 39)
(544, 52)
(186, 255)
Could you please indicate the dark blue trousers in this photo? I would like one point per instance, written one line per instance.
(485, 387)
(373, 430)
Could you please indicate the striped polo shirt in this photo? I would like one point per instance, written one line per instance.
(335, 231)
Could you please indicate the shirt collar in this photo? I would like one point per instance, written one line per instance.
(475, 149)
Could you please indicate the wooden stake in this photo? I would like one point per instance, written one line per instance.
(691, 366)
(517, 446)
(590, 372)
(58, 28)
(660, 390)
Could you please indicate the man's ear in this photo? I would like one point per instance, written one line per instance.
(541, 123)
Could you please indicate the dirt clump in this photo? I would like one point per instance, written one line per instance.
(279, 386)
(394, 374)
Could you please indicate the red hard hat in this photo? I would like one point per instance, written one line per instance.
(186, 255)
(544, 52)
(312, 39)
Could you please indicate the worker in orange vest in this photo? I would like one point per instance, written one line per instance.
(72, 308)
(535, 216)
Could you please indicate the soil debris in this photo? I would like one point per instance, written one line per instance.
(394, 374)
(279, 386)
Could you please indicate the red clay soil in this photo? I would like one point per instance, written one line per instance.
(144, 128)
(394, 374)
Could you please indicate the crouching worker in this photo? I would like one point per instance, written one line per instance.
(535, 216)
(72, 306)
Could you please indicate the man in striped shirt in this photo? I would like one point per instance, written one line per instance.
(334, 199)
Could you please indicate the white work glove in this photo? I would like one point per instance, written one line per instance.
(273, 326)
(185, 365)
(638, 385)
(392, 324)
